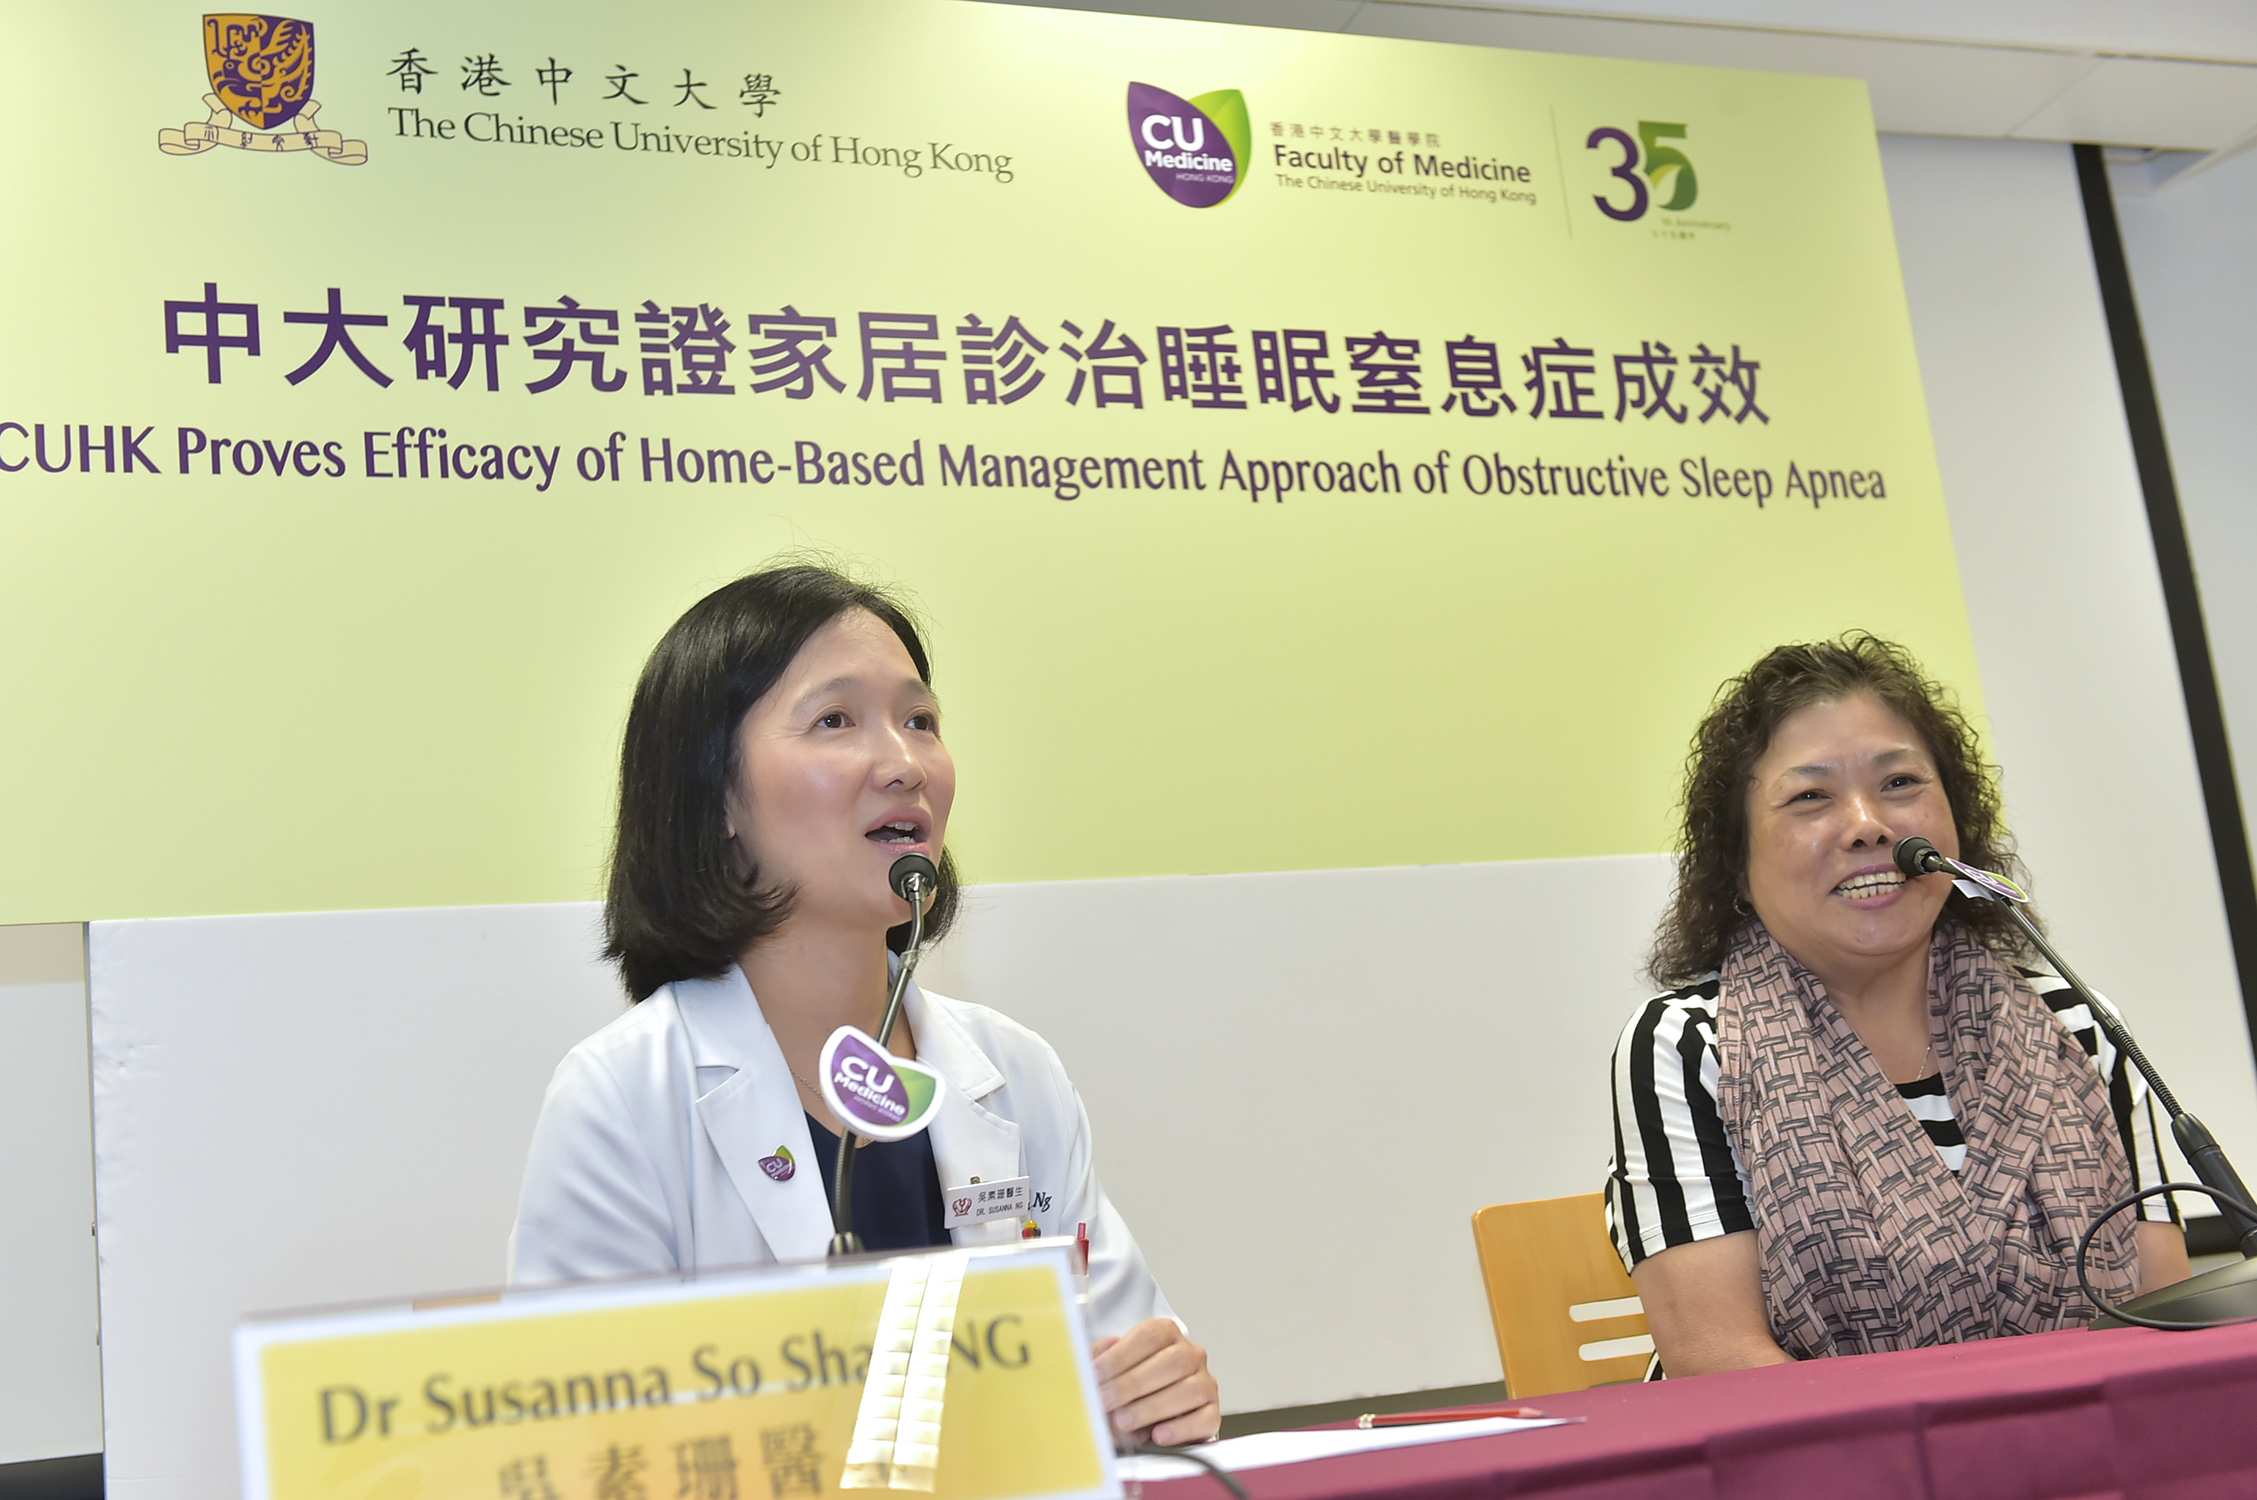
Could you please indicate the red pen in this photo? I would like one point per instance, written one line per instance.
(1454, 1414)
(1081, 1243)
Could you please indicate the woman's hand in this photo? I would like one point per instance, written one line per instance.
(1155, 1384)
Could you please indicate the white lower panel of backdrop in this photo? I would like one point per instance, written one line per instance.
(1302, 1086)
(295, 1110)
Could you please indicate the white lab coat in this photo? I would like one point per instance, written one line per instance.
(646, 1156)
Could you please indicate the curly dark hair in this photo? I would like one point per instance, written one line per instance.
(1706, 912)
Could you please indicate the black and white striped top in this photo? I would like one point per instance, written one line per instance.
(1677, 1177)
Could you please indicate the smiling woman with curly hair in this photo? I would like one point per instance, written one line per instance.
(1853, 1123)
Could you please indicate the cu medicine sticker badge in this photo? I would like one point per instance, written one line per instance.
(1195, 150)
(261, 72)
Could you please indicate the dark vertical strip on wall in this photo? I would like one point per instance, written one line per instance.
(2229, 838)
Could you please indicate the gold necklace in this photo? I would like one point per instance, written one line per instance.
(860, 1140)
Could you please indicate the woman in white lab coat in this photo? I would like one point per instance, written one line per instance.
(783, 749)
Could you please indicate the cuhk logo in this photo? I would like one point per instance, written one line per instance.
(1195, 149)
(261, 72)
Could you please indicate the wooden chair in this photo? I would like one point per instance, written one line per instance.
(1567, 1314)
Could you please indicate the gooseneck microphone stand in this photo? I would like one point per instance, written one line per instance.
(2222, 1296)
(912, 878)
(1916, 856)
(2203, 1153)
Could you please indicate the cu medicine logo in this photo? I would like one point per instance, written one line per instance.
(261, 72)
(872, 1083)
(1194, 149)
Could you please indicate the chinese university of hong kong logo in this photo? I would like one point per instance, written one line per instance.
(1194, 149)
(261, 71)
(1646, 161)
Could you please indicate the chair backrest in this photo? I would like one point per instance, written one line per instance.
(1567, 1315)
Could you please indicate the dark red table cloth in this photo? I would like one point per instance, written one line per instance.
(2128, 1412)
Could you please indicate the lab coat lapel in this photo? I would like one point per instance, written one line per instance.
(970, 1142)
(754, 1111)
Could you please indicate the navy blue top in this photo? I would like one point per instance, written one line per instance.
(897, 1201)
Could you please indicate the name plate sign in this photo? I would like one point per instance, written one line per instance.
(794, 1380)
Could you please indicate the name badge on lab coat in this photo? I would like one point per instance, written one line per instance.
(978, 1202)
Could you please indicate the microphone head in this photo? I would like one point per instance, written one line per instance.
(912, 867)
(1916, 856)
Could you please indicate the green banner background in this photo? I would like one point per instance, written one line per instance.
(257, 693)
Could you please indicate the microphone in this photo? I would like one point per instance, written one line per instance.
(1915, 856)
(911, 876)
(912, 868)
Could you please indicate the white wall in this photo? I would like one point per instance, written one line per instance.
(2193, 254)
(2059, 572)
(50, 1362)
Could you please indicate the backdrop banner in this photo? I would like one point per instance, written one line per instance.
(1309, 451)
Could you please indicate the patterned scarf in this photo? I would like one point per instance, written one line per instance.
(1868, 1240)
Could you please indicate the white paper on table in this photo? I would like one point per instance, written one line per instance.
(1260, 1450)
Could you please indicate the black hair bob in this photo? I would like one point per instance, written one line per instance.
(678, 906)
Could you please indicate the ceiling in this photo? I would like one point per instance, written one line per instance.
(2174, 81)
